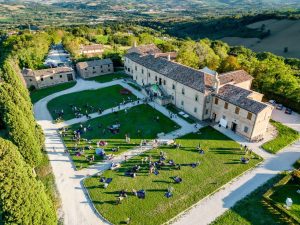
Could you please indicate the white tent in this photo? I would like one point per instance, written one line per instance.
(288, 202)
(223, 122)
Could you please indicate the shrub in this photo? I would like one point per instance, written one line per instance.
(23, 198)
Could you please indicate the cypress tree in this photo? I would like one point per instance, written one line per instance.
(23, 198)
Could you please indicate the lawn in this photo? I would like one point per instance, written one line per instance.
(286, 136)
(37, 95)
(139, 123)
(219, 165)
(104, 98)
(281, 192)
(109, 77)
(175, 110)
(253, 210)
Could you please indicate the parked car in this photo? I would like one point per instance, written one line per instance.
(288, 111)
(279, 106)
(273, 102)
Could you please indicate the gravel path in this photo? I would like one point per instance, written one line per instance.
(76, 206)
(211, 207)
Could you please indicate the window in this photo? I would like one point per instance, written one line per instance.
(94, 68)
(237, 110)
(182, 91)
(195, 110)
(155, 78)
(136, 68)
(30, 80)
(196, 98)
(101, 66)
(206, 111)
(249, 116)
(128, 69)
(149, 75)
(42, 79)
(108, 65)
(60, 76)
(142, 71)
(224, 117)
(165, 82)
(94, 72)
(85, 69)
(51, 78)
(182, 103)
(173, 86)
(108, 70)
(101, 71)
(226, 105)
(216, 101)
(246, 129)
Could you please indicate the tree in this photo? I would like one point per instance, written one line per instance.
(23, 198)
(229, 64)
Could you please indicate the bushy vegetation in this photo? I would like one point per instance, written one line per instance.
(23, 198)
(285, 137)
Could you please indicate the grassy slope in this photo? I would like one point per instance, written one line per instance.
(104, 98)
(218, 165)
(252, 210)
(36, 95)
(286, 136)
(137, 118)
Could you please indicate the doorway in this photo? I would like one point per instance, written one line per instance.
(70, 77)
(159, 81)
(233, 127)
(214, 116)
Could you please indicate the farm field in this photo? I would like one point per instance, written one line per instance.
(284, 33)
(138, 123)
(219, 164)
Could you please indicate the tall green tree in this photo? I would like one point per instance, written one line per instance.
(24, 201)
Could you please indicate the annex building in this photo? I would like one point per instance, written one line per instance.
(204, 94)
(91, 50)
(47, 77)
(95, 68)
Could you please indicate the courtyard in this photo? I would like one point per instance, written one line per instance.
(88, 101)
(201, 175)
(139, 122)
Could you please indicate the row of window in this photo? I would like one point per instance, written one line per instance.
(237, 109)
(100, 67)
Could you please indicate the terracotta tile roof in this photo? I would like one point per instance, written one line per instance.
(185, 75)
(91, 47)
(46, 72)
(239, 97)
(83, 65)
(145, 49)
(234, 77)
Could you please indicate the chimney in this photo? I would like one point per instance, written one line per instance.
(169, 57)
(216, 83)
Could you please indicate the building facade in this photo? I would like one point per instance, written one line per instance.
(204, 94)
(47, 77)
(94, 68)
(91, 50)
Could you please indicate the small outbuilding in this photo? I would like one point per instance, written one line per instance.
(95, 68)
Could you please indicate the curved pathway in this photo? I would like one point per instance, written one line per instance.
(76, 206)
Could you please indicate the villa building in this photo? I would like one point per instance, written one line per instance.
(47, 77)
(95, 68)
(91, 50)
(204, 94)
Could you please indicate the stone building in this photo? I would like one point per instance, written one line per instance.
(94, 68)
(91, 50)
(206, 95)
(47, 77)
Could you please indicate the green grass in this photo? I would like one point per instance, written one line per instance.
(175, 110)
(288, 190)
(109, 77)
(37, 95)
(253, 210)
(135, 86)
(286, 136)
(140, 117)
(218, 165)
(45, 175)
(104, 98)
